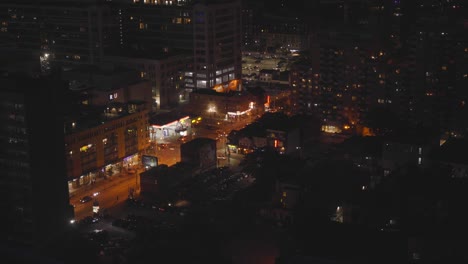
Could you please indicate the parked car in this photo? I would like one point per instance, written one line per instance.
(85, 199)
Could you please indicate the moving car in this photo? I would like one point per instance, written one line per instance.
(85, 199)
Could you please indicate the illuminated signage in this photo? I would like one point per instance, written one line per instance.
(149, 161)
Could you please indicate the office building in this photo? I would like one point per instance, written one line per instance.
(217, 54)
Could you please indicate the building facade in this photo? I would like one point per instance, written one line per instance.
(66, 33)
(165, 74)
(35, 205)
(200, 153)
(104, 150)
(210, 104)
(217, 47)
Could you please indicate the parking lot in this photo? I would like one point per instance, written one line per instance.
(253, 63)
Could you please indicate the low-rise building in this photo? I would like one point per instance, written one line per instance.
(166, 125)
(274, 130)
(161, 183)
(399, 151)
(101, 144)
(200, 152)
(106, 126)
(219, 105)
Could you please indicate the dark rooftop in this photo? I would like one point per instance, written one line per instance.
(165, 118)
(213, 92)
(152, 55)
(268, 71)
(197, 142)
(454, 150)
(363, 145)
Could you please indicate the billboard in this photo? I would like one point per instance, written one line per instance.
(208, 155)
(149, 161)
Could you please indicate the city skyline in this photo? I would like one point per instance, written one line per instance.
(232, 131)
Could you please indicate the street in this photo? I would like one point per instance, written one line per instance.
(110, 194)
(114, 191)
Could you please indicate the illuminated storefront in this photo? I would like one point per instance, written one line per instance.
(178, 127)
(100, 152)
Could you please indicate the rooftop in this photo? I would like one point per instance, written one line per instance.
(165, 118)
(363, 145)
(213, 92)
(92, 116)
(169, 176)
(197, 142)
(146, 55)
(273, 121)
(454, 151)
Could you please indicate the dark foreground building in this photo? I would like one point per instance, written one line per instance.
(35, 204)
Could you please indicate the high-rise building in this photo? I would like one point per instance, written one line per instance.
(217, 46)
(152, 27)
(333, 82)
(64, 32)
(35, 204)
(155, 35)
